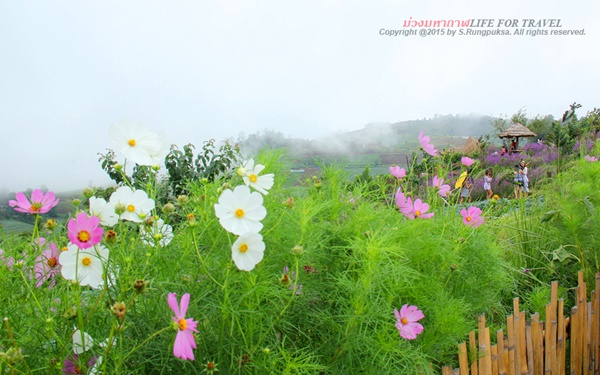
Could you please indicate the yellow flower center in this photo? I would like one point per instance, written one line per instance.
(182, 324)
(131, 208)
(64, 248)
(468, 218)
(239, 213)
(86, 261)
(253, 178)
(35, 206)
(83, 236)
(404, 321)
(417, 213)
(52, 262)
(131, 142)
(243, 248)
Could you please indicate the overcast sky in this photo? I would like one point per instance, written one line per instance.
(308, 68)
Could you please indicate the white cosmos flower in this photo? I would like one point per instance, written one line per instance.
(251, 177)
(247, 251)
(158, 233)
(138, 144)
(240, 211)
(103, 210)
(84, 265)
(82, 342)
(132, 205)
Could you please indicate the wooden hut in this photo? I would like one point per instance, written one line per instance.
(514, 132)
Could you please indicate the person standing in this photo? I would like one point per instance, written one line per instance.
(525, 179)
(518, 181)
(487, 183)
(465, 191)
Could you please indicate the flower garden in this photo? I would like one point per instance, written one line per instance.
(216, 263)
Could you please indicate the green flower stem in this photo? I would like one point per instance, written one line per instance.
(118, 365)
(202, 260)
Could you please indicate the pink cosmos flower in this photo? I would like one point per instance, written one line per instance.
(407, 321)
(420, 208)
(184, 341)
(425, 145)
(72, 363)
(442, 189)
(6, 261)
(472, 216)
(404, 205)
(591, 159)
(397, 172)
(40, 202)
(46, 264)
(85, 231)
(467, 161)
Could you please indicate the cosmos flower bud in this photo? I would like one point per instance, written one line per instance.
(191, 220)
(298, 250)
(76, 202)
(119, 310)
(156, 167)
(110, 236)
(50, 224)
(120, 208)
(118, 167)
(241, 171)
(182, 199)
(204, 181)
(140, 285)
(168, 208)
(87, 192)
(289, 203)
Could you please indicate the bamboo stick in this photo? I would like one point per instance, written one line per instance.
(473, 353)
(517, 336)
(537, 345)
(529, 341)
(502, 353)
(463, 359)
(512, 368)
(561, 346)
(575, 336)
(494, 357)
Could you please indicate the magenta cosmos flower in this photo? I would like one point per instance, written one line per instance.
(442, 189)
(407, 321)
(472, 216)
(404, 204)
(467, 161)
(85, 231)
(73, 365)
(184, 341)
(425, 145)
(40, 203)
(591, 159)
(397, 172)
(419, 209)
(46, 264)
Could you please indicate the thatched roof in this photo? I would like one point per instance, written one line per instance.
(470, 146)
(517, 130)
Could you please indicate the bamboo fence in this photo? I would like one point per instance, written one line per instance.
(561, 345)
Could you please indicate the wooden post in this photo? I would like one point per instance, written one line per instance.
(537, 345)
(463, 359)
(502, 353)
(473, 353)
